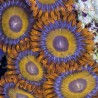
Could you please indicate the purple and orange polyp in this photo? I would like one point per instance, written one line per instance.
(19, 93)
(30, 69)
(82, 83)
(13, 87)
(26, 66)
(62, 41)
(16, 24)
(48, 9)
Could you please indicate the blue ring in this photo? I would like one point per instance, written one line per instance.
(59, 79)
(26, 8)
(49, 7)
(19, 57)
(6, 88)
(62, 25)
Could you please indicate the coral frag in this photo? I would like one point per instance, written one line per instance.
(48, 49)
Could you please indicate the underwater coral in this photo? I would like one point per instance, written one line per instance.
(48, 49)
